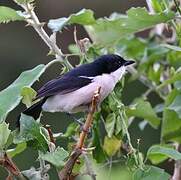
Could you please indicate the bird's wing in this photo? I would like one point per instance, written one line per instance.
(63, 85)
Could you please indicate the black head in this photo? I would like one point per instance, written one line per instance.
(112, 62)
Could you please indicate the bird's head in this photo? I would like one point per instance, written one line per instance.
(112, 62)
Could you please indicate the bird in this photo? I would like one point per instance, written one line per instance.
(73, 91)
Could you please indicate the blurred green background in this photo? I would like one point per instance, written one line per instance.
(21, 49)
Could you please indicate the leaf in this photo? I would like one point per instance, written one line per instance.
(174, 78)
(24, 1)
(57, 157)
(110, 124)
(11, 96)
(158, 153)
(4, 134)
(32, 174)
(110, 30)
(144, 110)
(28, 95)
(71, 130)
(176, 105)
(118, 126)
(131, 47)
(111, 145)
(8, 14)
(17, 150)
(98, 153)
(83, 17)
(150, 173)
(171, 124)
(172, 58)
(30, 132)
(177, 84)
(175, 48)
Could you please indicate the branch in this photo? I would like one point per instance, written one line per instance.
(9, 165)
(35, 23)
(65, 173)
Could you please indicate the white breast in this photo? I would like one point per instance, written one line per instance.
(78, 100)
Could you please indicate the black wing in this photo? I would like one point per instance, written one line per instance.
(62, 85)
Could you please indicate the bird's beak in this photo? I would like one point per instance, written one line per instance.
(129, 63)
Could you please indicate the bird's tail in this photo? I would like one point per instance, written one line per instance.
(33, 110)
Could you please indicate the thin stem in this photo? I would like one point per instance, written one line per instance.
(125, 129)
(89, 168)
(35, 23)
(177, 6)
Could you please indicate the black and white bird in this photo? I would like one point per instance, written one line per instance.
(73, 91)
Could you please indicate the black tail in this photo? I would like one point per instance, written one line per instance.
(33, 110)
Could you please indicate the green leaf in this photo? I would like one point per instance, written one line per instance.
(118, 126)
(30, 131)
(111, 145)
(71, 130)
(176, 105)
(173, 58)
(24, 1)
(8, 14)
(171, 124)
(174, 78)
(98, 153)
(32, 174)
(158, 153)
(155, 72)
(4, 134)
(150, 173)
(110, 30)
(57, 157)
(28, 95)
(143, 109)
(11, 96)
(83, 17)
(156, 4)
(131, 47)
(177, 84)
(110, 124)
(17, 150)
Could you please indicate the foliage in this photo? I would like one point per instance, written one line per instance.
(158, 60)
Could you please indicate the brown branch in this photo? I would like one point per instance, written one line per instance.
(177, 169)
(65, 173)
(11, 167)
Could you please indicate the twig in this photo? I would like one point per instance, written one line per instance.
(65, 173)
(35, 23)
(177, 6)
(10, 166)
(177, 169)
